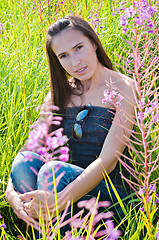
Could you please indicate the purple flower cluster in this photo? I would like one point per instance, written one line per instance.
(56, 4)
(140, 13)
(151, 111)
(157, 233)
(2, 29)
(95, 22)
(84, 223)
(151, 192)
(2, 225)
(112, 96)
(48, 145)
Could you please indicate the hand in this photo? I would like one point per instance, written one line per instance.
(37, 203)
(16, 203)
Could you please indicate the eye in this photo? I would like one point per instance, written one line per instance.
(79, 47)
(63, 56)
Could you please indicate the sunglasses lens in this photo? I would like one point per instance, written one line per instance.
(77, 131)
(81, 115)
(77, 128)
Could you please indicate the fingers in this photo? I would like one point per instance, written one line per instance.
(36, 211)
(28, 195)
(21, 213)
(27, 205)
(31, 210)
(37, 195)
(35, 203)
(25, 217)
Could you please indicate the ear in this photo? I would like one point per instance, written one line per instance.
(95, 46)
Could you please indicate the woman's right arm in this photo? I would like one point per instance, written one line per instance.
(13, 199)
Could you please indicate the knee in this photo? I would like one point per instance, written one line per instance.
(19, 161)
(25, 159)
(48, 173)
(25, 156)
(50, 168)
(25, 168)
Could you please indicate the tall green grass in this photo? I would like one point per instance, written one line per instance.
(23, 64)
(24, 76)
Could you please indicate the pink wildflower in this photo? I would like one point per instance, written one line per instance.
(130, 11)
(52, 142)
(64, 157)
(3, 225)
(48, 144)
(112, 233)
(112, 96)
(157, 234)
(64, 150)
(33, 141)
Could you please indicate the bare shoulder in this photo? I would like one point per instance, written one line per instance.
(125, 85)
(122, 80)
(48, 97)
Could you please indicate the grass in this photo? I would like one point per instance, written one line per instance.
(23, 64)
(24, 79)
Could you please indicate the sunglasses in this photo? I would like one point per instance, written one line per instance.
(77, 127)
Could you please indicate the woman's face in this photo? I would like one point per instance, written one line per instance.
(76, 53)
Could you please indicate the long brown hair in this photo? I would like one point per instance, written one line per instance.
(61, 89)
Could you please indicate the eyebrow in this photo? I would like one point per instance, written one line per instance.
(72, 48)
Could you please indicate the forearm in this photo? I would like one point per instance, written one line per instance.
(9, 186)
(87, 181)
(15, 202)
(10, 191)
(11, 194)
(84, 183)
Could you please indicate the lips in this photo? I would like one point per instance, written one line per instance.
(80, 70)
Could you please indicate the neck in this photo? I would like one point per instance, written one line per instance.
(96, 79)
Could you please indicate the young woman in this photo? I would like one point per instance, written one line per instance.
(80, 72)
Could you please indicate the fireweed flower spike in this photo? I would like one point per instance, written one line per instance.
(86, 222)
(112, 96)
(48, 145)
(139, 14)
(141, 64)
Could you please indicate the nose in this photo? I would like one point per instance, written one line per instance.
(75, 61)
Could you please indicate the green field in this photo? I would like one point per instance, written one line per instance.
(24, 82)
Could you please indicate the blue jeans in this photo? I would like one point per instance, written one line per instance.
(29, 174)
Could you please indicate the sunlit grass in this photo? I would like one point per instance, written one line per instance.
(23, 64)
(24, 79)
